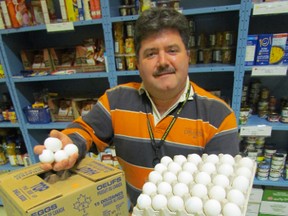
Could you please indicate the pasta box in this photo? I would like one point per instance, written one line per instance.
(91, 188)
(263, 49)
(250, 49)
(277, 52)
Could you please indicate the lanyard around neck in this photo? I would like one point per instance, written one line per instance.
(157, 146)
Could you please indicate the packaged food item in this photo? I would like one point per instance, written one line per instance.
(277, 52)
(131, 62)
(263, 49)
(250, 49)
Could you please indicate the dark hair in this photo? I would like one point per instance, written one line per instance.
(156, 19)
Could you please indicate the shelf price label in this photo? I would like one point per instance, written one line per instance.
(270, 8)
(259, 130)
(269, 71)
(59, 27)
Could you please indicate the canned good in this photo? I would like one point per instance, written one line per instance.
(264, 93)
(272, 103)
(202, 40)
(175, 4)
(192, 42)
(129, 46)
(228, 38)
(129, 29)
(127, 10)
(207, 56)
(273, 117)
(163, 4)
(119, 47)
(192, 25)
(284, 114)
(263, 105)
(200, 56)
(212, 40)
(244, 115)
(227, 55)
(217, 55)
(118, 28)
(219, 39)
(130, 62)
(120, 62)
(193, 56)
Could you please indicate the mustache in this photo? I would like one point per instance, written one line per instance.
(164, 70)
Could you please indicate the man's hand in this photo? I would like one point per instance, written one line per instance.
(64, 164)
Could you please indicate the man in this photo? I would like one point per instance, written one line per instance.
(166, 114)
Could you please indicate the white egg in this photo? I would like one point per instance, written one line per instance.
(236, 196)
(47, 156)
(227, 158)
(190, 167)
(231, 209)
(71, 149)
(194, 158)
(241, 183)
(174, 167)
(180, 159)
(175, 203)
(203, 178)
(212, 158)
(246, 162)
(217, 192)
(221, 180)
(169, 177)
(160, 168)
(185, 177)
(225, 169)
(212, 207)
(208, 167)
(199, 190)
(155, 177)
(144, 201)
(244, 171)
(53, 144)
(193, 205)
(149, 188)
(166, 160)
(164, 188)
(60, 155)
(180, 189)
(159, 202)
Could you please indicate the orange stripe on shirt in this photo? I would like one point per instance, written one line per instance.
(135, 175)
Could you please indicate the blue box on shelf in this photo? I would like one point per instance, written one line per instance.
(37, 115)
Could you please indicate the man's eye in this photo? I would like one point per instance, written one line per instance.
(150, 54)
(172, 50)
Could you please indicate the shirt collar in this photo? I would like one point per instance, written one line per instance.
(156, 114)
(142, 90)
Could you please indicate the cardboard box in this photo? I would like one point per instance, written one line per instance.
(92, 189)
(277, 53)
(263, 49)
(251, 49)
(274, 202)
(254, 202)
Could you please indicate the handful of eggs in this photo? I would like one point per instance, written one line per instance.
(54, 150)
(209, 185)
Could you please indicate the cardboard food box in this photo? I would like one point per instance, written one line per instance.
(93, 188)
(251, 49)
(274, 202)
(263, 49)
(36, 60)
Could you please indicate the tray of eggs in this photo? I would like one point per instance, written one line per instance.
(207, 185)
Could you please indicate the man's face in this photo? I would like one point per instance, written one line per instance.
(163, 64)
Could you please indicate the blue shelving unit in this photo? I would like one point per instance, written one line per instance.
(210, 15)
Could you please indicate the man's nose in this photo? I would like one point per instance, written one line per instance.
(162, 58)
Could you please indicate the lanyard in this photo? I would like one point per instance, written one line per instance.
(157, 146)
